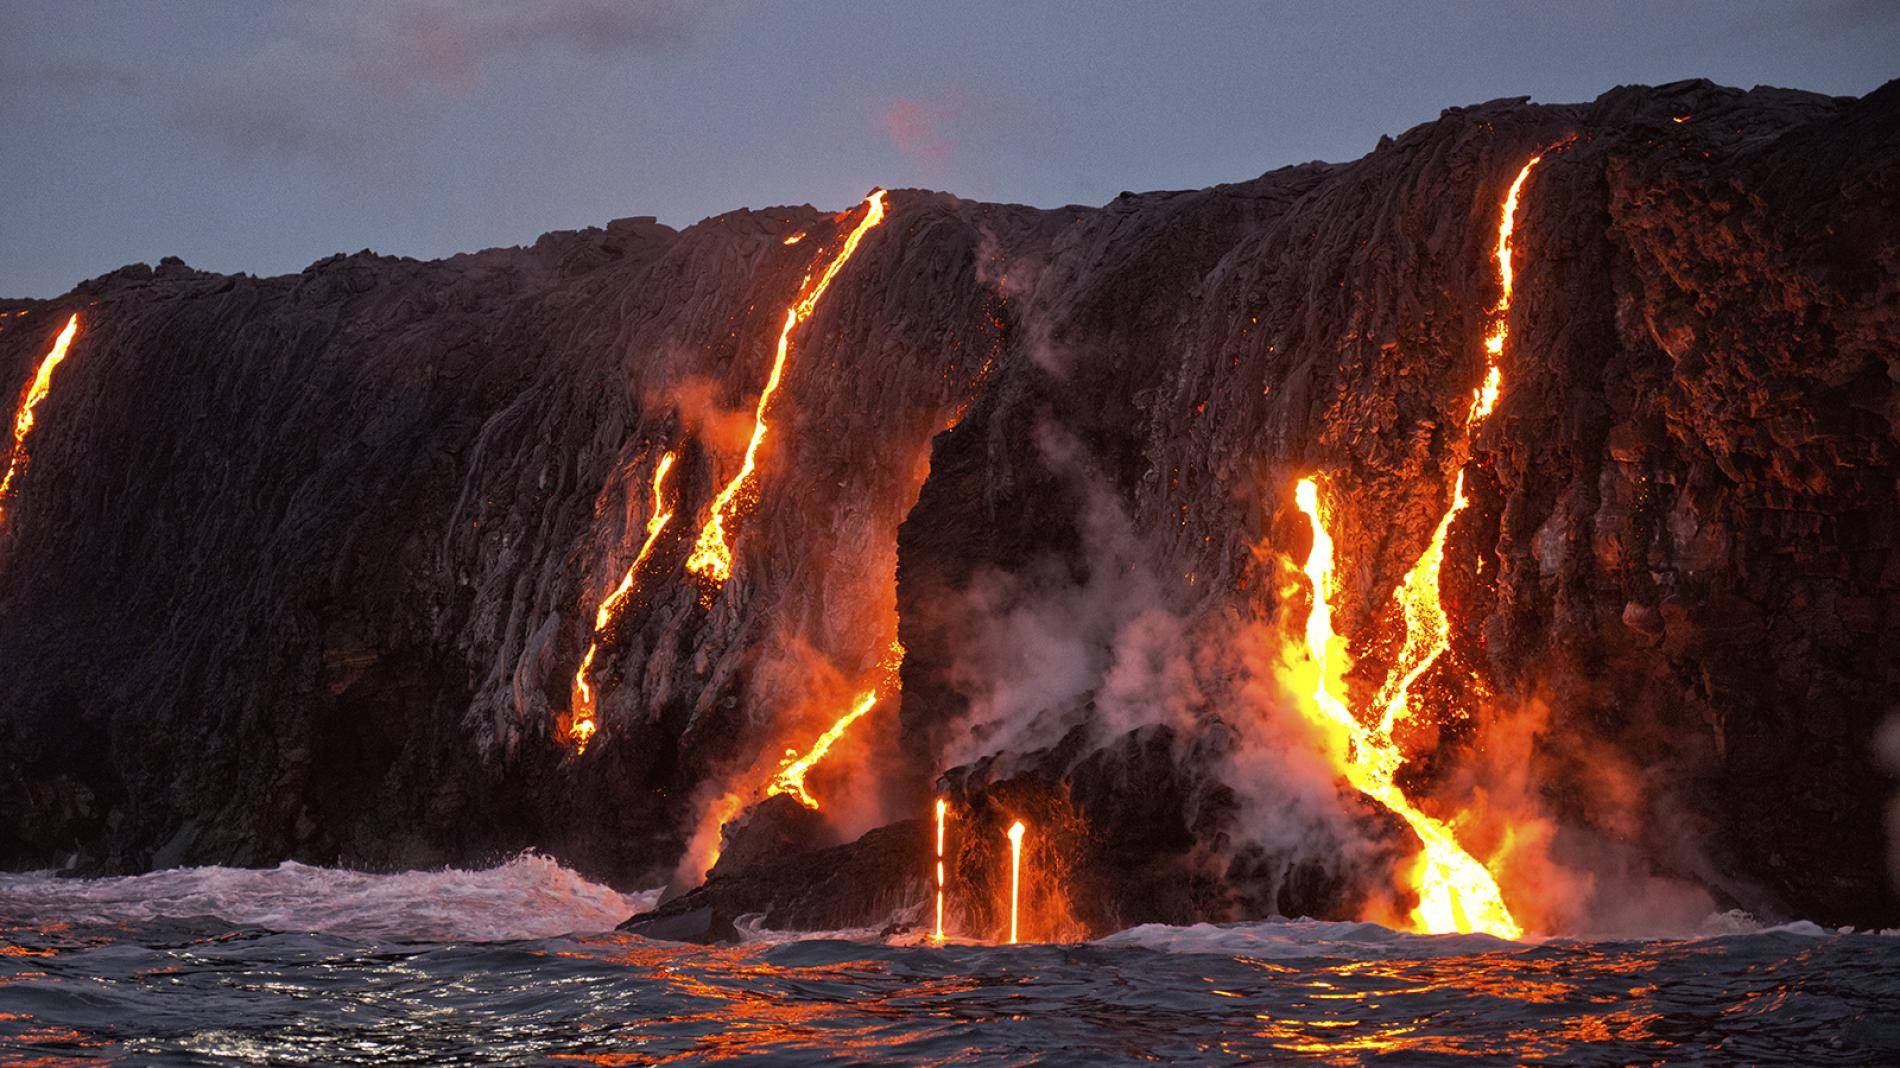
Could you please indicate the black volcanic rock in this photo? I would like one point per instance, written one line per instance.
(302, 567)
(868, 881)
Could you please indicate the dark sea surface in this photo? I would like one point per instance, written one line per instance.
(300, 965)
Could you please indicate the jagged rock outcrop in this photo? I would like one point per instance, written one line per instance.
(302, 567)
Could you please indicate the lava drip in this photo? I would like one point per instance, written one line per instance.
(711, 558)
(1016, 830)
(1455, 892)
(943, 811)
(23, 417)
(580, 724)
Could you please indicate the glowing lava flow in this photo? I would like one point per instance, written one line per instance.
(1427, 629)
(36, 392)
(581, 725)
(1015, 873)
(1455, 891)
(943, 808)
(712, 553)
(791, 777)
(1498, 329)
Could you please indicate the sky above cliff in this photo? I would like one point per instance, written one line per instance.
(249, 136)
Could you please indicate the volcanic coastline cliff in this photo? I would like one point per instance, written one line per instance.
(302, 567)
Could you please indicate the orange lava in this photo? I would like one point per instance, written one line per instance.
(1015, 873)
(581, 722)
(1497, 328)
(1455, 891)
(791, 777)
(712, 553)
(943, 809)
(36, 392)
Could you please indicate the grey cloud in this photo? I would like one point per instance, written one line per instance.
(349, 77)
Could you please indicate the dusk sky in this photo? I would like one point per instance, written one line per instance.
(250, 136)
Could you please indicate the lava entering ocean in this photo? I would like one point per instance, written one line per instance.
(581, 725)
(943, 811)
(712, 552)
(1016, 830)
(23, 418)
(1455, 892)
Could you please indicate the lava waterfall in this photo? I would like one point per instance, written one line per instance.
(1494, 533)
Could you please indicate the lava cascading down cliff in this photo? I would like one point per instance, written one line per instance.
(1595, 454)
(580, 727)
(1455, 892)
(36, 390)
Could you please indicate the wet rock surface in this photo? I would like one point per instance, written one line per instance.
(301, 567)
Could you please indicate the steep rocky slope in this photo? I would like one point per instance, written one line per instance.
(302, 567)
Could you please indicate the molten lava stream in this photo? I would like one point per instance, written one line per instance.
(943, 809)
(1456, 893)
(712, 553)
(1015, 874)
(581, 723)
(1497, 327)
(791, 777)
(30, 399)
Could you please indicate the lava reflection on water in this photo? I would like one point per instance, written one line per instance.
(189, 989)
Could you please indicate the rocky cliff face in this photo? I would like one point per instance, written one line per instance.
(303, 567)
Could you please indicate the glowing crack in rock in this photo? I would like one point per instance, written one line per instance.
(581, 724)
(712, 552)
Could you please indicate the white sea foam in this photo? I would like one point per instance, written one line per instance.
(1285, 939)
(530, 896)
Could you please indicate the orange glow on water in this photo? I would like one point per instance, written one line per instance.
(1015, 874)
(791, 778)
(581, 722)
(712, 552)
(23, 418)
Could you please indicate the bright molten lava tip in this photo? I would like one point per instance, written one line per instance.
(36, 392)
(791, 777)
(712, 552)
(1015, 874)
(581, 722)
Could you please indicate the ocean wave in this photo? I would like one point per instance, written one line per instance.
(531, 896)
(1285, 939)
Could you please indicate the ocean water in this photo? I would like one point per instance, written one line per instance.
(519, 964)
